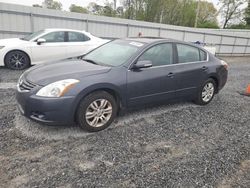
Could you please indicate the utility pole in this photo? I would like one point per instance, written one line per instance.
(129, 9)
(197, 13)
(115, 1)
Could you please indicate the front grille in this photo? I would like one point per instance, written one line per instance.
(25, 85)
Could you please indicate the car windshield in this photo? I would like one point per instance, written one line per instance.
(33, 35)
(114, 53)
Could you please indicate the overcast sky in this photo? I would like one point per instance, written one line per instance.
(67, 3)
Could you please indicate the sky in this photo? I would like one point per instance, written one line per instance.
(66, 3)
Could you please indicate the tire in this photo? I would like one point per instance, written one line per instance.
(206, 92)
(17, 60)
(97, 105)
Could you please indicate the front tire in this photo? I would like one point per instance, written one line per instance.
(96, 111)
(206, 92)
(17, 60)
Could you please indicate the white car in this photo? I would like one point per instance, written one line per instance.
(46, 45)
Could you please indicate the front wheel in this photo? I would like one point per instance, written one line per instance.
(17, 60)
(96, 111)
(206, 92)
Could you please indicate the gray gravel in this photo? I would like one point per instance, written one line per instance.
(172, 145)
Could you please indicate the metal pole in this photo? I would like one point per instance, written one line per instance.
(159, 32)
(32, 22)
(127, 30)
(245, 51)
(87, 25)
(197, 14)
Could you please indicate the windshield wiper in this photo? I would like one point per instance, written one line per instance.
(90, 61)
(94, 62)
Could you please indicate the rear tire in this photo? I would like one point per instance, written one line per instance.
(96, 111)
(17, 60)
(206, 92)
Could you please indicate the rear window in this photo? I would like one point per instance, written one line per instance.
(77, 37)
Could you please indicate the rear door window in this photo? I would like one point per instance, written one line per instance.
(77, 37)
(187, 53)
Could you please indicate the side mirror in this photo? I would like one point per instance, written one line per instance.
(143, 64)
(40, 41)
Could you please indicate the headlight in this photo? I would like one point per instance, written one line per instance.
(1, 47)
(57, 89)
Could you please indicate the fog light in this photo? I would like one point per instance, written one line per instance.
(38, 115)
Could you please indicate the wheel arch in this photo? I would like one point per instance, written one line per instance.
(215, 78)
(19, 51)
(111, 89)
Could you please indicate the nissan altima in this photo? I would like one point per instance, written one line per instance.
(120, 74)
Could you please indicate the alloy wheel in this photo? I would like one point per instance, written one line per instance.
(208, 92)
(98, 113)
(17, 61)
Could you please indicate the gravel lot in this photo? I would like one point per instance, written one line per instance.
(172, 145)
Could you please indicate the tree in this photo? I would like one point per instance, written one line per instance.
(238, 26)
(79, 9)
(94, 8)
(108, 10)
(175, 12)
(247, 14)
(50, 4)
(230, 10)
(37, 5)
(207, 16)
(208, 24)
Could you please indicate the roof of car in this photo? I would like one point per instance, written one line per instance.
(149, 39)
(62, 29)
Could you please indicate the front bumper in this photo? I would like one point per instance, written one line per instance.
(2, 54)
(51, 111)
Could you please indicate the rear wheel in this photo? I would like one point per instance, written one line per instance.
(96, 111)
(17, 60)
(206, 92)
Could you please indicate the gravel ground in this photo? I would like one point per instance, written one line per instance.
(174, 145)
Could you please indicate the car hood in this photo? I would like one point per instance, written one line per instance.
(47, 73)
(12, 41)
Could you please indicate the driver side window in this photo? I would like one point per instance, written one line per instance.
(160, 54)
(54, 37)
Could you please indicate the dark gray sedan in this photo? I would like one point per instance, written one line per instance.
(120, 74)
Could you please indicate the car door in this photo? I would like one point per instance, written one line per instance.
(191, 69)
(78, 44)
(155, 83)
(54, 48)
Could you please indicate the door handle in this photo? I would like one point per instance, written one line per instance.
(204, 68)
(171, 75)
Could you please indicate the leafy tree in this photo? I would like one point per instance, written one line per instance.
(238, 26)
(208, 24)
(79, 9)
(94, 8)
(175, 12)
(247, 14)
(51, 4)
(108, 10)
(207, 14)
(230, 10)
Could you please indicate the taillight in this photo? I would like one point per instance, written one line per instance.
(224, 64)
